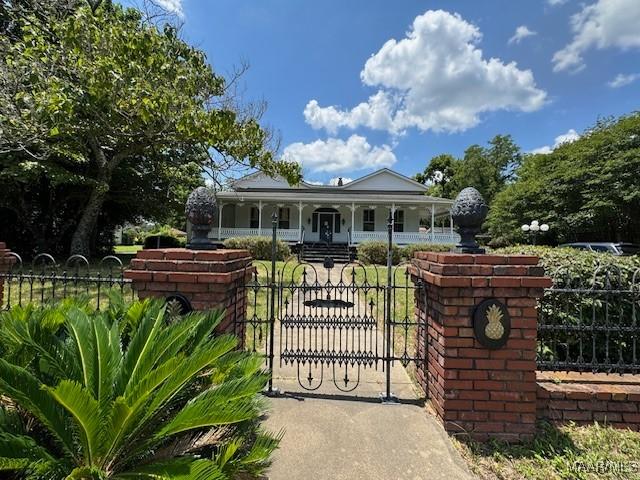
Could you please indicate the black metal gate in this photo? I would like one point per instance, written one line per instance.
(334, 321)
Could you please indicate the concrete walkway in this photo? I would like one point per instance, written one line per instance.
(333, 435)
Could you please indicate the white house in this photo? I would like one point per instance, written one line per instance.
(346, 214)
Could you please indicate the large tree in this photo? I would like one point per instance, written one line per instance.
(488, 169)
(587, 190)
(94, 98)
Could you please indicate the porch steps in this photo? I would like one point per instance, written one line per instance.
(317, 252)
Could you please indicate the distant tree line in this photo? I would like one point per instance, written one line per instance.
(587, 190)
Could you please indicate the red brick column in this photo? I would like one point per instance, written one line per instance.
(208, 279)
(6, 261)
(473, 389)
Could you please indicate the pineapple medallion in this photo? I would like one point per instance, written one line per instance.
(492, 323)
(494, 329)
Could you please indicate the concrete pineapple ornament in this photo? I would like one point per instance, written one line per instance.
(494, 329)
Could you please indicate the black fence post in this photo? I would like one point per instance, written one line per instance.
(272, 319)
(388, 396)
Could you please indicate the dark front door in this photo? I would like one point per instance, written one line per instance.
(326, 227)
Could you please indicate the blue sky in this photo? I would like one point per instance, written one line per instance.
(427, 77)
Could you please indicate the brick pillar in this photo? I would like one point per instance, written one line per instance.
(6, 261)
(486, 393)
(207, 279)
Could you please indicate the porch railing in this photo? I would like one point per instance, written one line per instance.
(403, 238)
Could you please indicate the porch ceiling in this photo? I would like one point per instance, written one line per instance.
(295, 198)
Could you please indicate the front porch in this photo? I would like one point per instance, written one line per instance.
(350, 224)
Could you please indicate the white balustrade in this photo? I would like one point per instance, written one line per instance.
(404, 238)
(291, 235)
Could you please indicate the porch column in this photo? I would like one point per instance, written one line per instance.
(433, 221)
(220, 220)
(259, 218)
(299, 221)
(353, 220)
(393, 221)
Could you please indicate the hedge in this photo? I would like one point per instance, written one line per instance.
(259, 247)
(585, 301)
(562, 264)
(375, 252)
(162, 241)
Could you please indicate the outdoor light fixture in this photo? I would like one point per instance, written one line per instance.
(308, 220)
(534, 228)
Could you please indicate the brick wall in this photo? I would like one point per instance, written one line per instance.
(208, 279)
(475, 390)
(589, 397)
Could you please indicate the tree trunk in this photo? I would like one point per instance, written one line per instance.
(81, 240)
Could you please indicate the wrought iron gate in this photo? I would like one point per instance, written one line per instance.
(334, 321)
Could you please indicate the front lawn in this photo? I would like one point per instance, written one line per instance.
(569, 452)
(126, 249)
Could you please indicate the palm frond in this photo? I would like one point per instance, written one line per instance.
(79, 328)
(183, 468)
(24, 388)
(79, 402)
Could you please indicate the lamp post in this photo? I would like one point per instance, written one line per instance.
(534, 228)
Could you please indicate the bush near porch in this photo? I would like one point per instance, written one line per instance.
(375, 252)
(259, 247)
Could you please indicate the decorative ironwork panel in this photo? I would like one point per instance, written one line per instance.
(591, 326)
(44, 280)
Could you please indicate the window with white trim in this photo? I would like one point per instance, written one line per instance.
(369, 220)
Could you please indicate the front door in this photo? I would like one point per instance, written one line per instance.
(326, 227)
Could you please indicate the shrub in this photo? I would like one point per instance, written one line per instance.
(259, 247)
(375, 252)
(578, 265)
(585, 301)
(127, 393)
(408, 251)
(161, 241)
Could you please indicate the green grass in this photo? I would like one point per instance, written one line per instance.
(126, 248)
(38, 287)
(402, 302)
(556, 453)
(258, 299)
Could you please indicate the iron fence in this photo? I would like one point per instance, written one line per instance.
(43, 280)
(591, 325)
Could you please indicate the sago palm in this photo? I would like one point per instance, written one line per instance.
(127, 394)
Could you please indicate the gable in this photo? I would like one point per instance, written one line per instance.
(386, 180)
(259, 180)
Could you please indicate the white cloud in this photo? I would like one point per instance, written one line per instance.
(172, 6)
(521, 33)
(604, 24)
(570, 136)
(555, 3)
(336, 155)
(433, 79)
(345, 180)
(622, 80)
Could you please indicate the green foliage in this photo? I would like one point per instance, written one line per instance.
(127, 393)
(162, 241)
(585, 190)
(259, 247)
(584, 280)
(408, 251)
(578, 265)
(110, 118)
(375, 252)
(487, 169)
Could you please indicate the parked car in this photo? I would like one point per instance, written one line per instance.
(606, 247)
